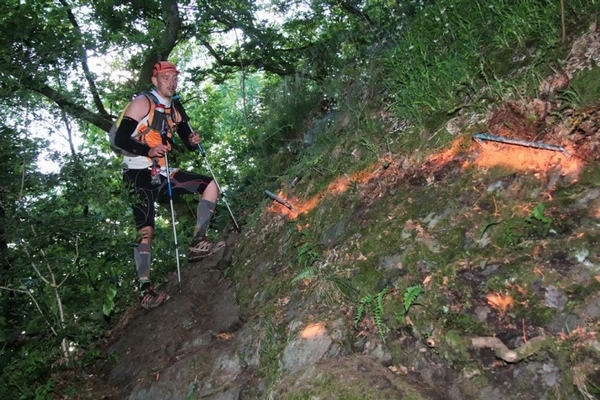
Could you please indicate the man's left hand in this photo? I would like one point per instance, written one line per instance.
(195, 138)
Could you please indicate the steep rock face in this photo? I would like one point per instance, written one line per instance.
(510, 307)
(298, 340)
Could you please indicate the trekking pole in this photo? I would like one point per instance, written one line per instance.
(221, 193)
(173, 220)
(184, 116)
(279, 200)
(163, 135)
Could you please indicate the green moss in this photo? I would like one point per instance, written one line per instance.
(453, 242)
(512, 231)
(328, 386)
(447, 248)
(369, 279)
(457, 347)
(540, 316)
(418, 256)
(586, 87)
(465, 323)
(590, 175)
(579, 292)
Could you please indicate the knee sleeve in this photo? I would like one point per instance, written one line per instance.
(142, 256)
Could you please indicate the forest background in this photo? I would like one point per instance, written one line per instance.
(255, 77)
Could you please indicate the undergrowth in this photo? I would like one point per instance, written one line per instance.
(442, 62)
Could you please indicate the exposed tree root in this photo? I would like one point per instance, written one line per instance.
(504, 353)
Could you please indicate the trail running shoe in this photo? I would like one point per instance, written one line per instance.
(204, 248)
(152, 298)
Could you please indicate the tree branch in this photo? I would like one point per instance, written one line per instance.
(355, 11)
(504, 353)
(160, 51)
(65, 119)
(82, 51)
(282, 71)
(102, 121)
(27, 292)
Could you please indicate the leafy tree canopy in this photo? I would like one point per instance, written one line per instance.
(48, 46)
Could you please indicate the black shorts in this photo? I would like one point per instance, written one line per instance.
(139, 180)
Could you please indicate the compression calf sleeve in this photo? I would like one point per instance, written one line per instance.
(203, 216)
(142, 256)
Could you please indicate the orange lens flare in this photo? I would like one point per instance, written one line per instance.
(526, 159)
(313, 331)
(484, 154)
(338, 186)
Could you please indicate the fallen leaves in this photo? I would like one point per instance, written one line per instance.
(500, 302)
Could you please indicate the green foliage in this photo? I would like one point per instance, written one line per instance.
(440, 49)
(306, 273)
(27, 375)
(409, 299)
(285, 106)
(373, 303)
(362, 308)
(270, 345)
(64, 264)
(370, 146)
(307, 255)
(410, 296)
(514, 230)
(109, 301)
(537, 214)
(585, 89)
(326, 285)
(194, 389)
(378, 313)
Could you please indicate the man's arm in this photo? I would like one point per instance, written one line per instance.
(137, 109)
(189, 138)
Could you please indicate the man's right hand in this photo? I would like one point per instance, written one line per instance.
(158, 151)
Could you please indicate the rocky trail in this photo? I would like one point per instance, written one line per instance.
(179, 348)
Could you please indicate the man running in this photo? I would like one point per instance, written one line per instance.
(145, 133)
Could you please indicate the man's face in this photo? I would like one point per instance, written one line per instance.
(165, 84)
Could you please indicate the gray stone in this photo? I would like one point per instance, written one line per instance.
(306, 349)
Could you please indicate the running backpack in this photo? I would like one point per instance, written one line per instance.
(156, 120)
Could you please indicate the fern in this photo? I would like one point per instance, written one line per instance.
(306, 273)
(380, 296)
(307, 255)
(370, 145)
(193, 390)
(378, 311)
(410, 295)
(538, 214)
(382, 328)
(362, 306)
